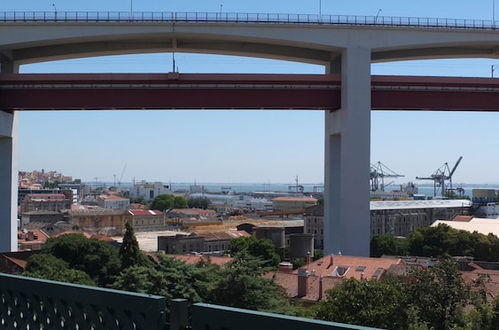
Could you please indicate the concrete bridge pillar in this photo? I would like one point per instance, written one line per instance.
(347, 157)
(8, 171)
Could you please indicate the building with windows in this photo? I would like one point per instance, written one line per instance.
(45, 202)
(206, 242)
(100, 221)
(113, 202)
(393, 217)
(147, 220)
(149, 191)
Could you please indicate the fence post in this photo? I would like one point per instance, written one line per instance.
(179, 314)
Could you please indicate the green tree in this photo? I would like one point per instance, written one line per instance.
(369, 303)
(428, 298)
(444, 240)
(96, 258)
(242, 285)
(439, 294)
(162, 202)
(130, 253)
(389, 244)
(179, 202)
(260, 248)
(198, 202)
(142, 279)
(49, 267)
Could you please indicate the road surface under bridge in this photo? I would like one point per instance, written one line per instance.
(22, 92)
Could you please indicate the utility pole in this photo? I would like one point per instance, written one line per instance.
(377, 15)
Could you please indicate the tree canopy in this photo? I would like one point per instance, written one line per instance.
(428, 298)
(259, 248)
(168, 201)
(48, 267)
(438, 241)
(198, 202)
(130, 253)
(96, 258)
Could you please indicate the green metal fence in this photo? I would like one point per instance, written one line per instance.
(28, 303)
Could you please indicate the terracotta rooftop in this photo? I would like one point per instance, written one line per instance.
(114, 197)
(462, 218)
(350, 266)
(137, 212)
(332, 269)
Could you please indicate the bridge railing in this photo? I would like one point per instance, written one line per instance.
(28, 303)
(227, 17)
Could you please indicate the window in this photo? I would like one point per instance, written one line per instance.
(360, 268)
(340, 271)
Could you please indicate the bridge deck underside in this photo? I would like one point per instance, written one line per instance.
(188, 91)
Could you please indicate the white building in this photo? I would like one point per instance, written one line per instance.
(113, 202)
(480, 225)
(149, 191)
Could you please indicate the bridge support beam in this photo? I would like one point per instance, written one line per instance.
(8, 172)
(347, 158)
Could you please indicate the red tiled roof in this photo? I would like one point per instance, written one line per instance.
(462, 218)
(145, 212)
(86, 235)
(114, 197)
(289, 282)
(324, 268)
(357, 267)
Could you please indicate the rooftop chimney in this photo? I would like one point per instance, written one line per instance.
(302, 282)
(286, 267)
(308, 258)
(320, 288)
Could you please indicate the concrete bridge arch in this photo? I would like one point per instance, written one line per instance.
(345, 49)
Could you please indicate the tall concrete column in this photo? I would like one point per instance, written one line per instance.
(8, 171)
(347, 157)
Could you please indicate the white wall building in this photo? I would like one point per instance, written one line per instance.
(113, 202)
(149, 191)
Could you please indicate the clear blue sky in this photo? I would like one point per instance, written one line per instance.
(252, 146)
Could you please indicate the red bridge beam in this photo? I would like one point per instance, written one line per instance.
(233, 91)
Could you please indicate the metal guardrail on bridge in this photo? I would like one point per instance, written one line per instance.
(28, 303)
(227, 17)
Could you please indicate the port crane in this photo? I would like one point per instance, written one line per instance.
(440, 176)
(378, 173)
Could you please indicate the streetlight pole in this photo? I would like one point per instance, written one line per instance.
(320, 7)
(131, 8)
(55, 10)
(377, 14)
